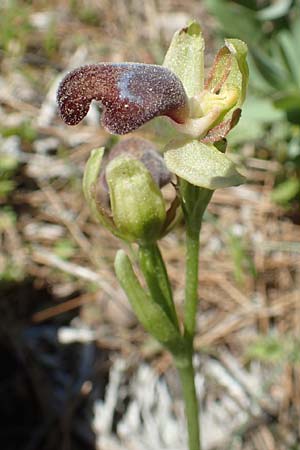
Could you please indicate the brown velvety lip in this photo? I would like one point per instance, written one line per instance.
(130, 94)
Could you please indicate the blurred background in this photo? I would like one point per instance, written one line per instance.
(77, 370)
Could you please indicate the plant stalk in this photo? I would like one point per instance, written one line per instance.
(186, 372)
(191, 283)
(187, 378)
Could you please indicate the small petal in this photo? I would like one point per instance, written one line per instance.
(130, 93)
(220, 70)
(230, 70)
(220, 131)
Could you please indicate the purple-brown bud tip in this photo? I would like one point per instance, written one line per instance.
(142, 150)
(130, 94)
(147, 153)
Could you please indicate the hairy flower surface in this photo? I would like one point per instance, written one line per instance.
(130, 95)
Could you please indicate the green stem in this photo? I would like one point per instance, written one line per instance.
(191, 283)
(187, 378)
(194, 201)
(186, 372)
(155, 273)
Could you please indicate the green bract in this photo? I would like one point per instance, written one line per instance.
(89, 184)
(202, 165)
(149, 312)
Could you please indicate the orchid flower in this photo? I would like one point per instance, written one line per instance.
(202, 110)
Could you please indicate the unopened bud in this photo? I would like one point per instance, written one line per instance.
(137, 205)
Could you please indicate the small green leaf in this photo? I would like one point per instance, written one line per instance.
(155, 273)
(6, 187)
(258, 112)
(269, 348)
(270, 69)
(64, 248)
(288, 100)
(286, 191)
(202, 165)
(276, 10)
(185, 57)
(8, 164)
(150, 314)
(236, 19)
(290, 49)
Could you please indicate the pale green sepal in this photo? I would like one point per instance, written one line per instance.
(91, 173)
(202, 165)
(185, 57)
(150, 314)
(89, 184)
(230, 71)
(239, 49)
(138, 208)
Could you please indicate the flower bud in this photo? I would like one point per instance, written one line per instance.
(137, 204)
(122, 188)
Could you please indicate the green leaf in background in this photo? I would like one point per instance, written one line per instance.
(290, 54)
(65, 248)
(257, 113)
(8, 218)
(295, 31)
(8, 167)
(185, 57)
(6, 187)
(276, 10)
(270, 69)
(275, 348)
(286, 191)
(8, 164)
(237, 20)
(242, 261)
(267, 349)
(288, 100)
(202, 165)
